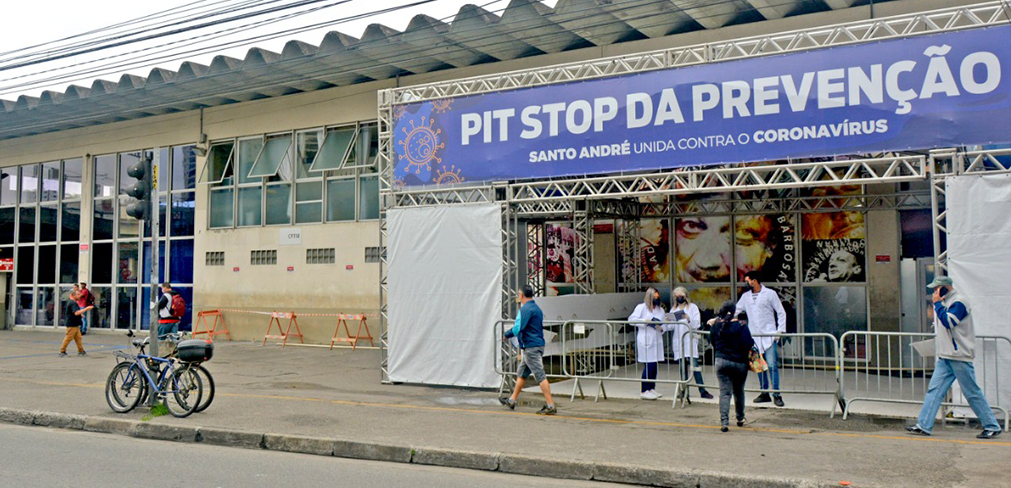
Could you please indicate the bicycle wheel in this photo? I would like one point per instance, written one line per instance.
(125, 387)
(181, 392)
(208, 383)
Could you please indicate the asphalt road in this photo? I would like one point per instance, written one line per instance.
(39, 457)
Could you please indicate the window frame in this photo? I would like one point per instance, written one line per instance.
(343, 164)
(286, 154)
(360, 169)
(203, 179)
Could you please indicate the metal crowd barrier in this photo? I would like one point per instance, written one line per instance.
(586, 350)
(884, 367)
(806, 363)
(605, 350)
(860, 366)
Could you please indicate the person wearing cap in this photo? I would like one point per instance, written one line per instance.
(954, 343)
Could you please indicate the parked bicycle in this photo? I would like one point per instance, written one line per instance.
(174, 380)
(193, 353)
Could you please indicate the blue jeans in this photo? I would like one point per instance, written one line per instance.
(166, 329)
(946, 372)
(648, 373)
(763, 378)
(84, 323)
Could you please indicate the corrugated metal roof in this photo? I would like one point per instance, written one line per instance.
(475, 36)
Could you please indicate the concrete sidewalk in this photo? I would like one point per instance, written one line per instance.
(310, 399)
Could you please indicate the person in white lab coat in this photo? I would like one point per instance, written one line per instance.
(687, 353)
(648, 318)
(765, 316)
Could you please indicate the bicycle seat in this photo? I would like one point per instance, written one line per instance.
(141, 342)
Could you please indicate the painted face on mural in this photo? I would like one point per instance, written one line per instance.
(843, 266)
(752, 235)
(703, 249)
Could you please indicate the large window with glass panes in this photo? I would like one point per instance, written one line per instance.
(40, 229)
(121, 248)
(311, 176)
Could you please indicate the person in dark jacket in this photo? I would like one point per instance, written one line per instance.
(733, 342)
(529, 331)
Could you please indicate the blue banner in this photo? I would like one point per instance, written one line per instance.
(918, 93)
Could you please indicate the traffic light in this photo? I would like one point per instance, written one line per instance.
(141, 190)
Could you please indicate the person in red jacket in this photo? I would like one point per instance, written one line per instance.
(86, 301)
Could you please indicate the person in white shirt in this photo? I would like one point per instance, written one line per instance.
(765, 316)
(648, 318)
(688, 352)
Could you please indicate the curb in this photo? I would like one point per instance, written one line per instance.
(516, 464)
(432, 456)
(449, 458)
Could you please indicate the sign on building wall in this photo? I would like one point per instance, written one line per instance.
(289, 236)
(923, 92)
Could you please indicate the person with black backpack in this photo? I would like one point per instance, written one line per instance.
(171, 308)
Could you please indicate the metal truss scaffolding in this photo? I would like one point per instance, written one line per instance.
(582, 263)
(556, 196)
(627, 232)
(625, 198)
(535, 256)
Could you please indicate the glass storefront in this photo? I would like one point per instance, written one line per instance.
(121, 265)
(40, 219)
(40, 226)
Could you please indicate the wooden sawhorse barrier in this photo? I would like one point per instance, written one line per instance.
(275, 318)
(202, 326)
(342, 320)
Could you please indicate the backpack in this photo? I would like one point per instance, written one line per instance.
(178, 306)
(89, 300)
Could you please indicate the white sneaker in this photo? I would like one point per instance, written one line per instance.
(648, 395)
(657, 393)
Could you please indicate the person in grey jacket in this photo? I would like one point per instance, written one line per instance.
(955, 343)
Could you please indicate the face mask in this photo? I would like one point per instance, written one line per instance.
(682, 300)
(656, 302)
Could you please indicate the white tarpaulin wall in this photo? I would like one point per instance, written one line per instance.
(445, 294)
(979, 262)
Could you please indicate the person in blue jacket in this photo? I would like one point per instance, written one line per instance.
(529, 332)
